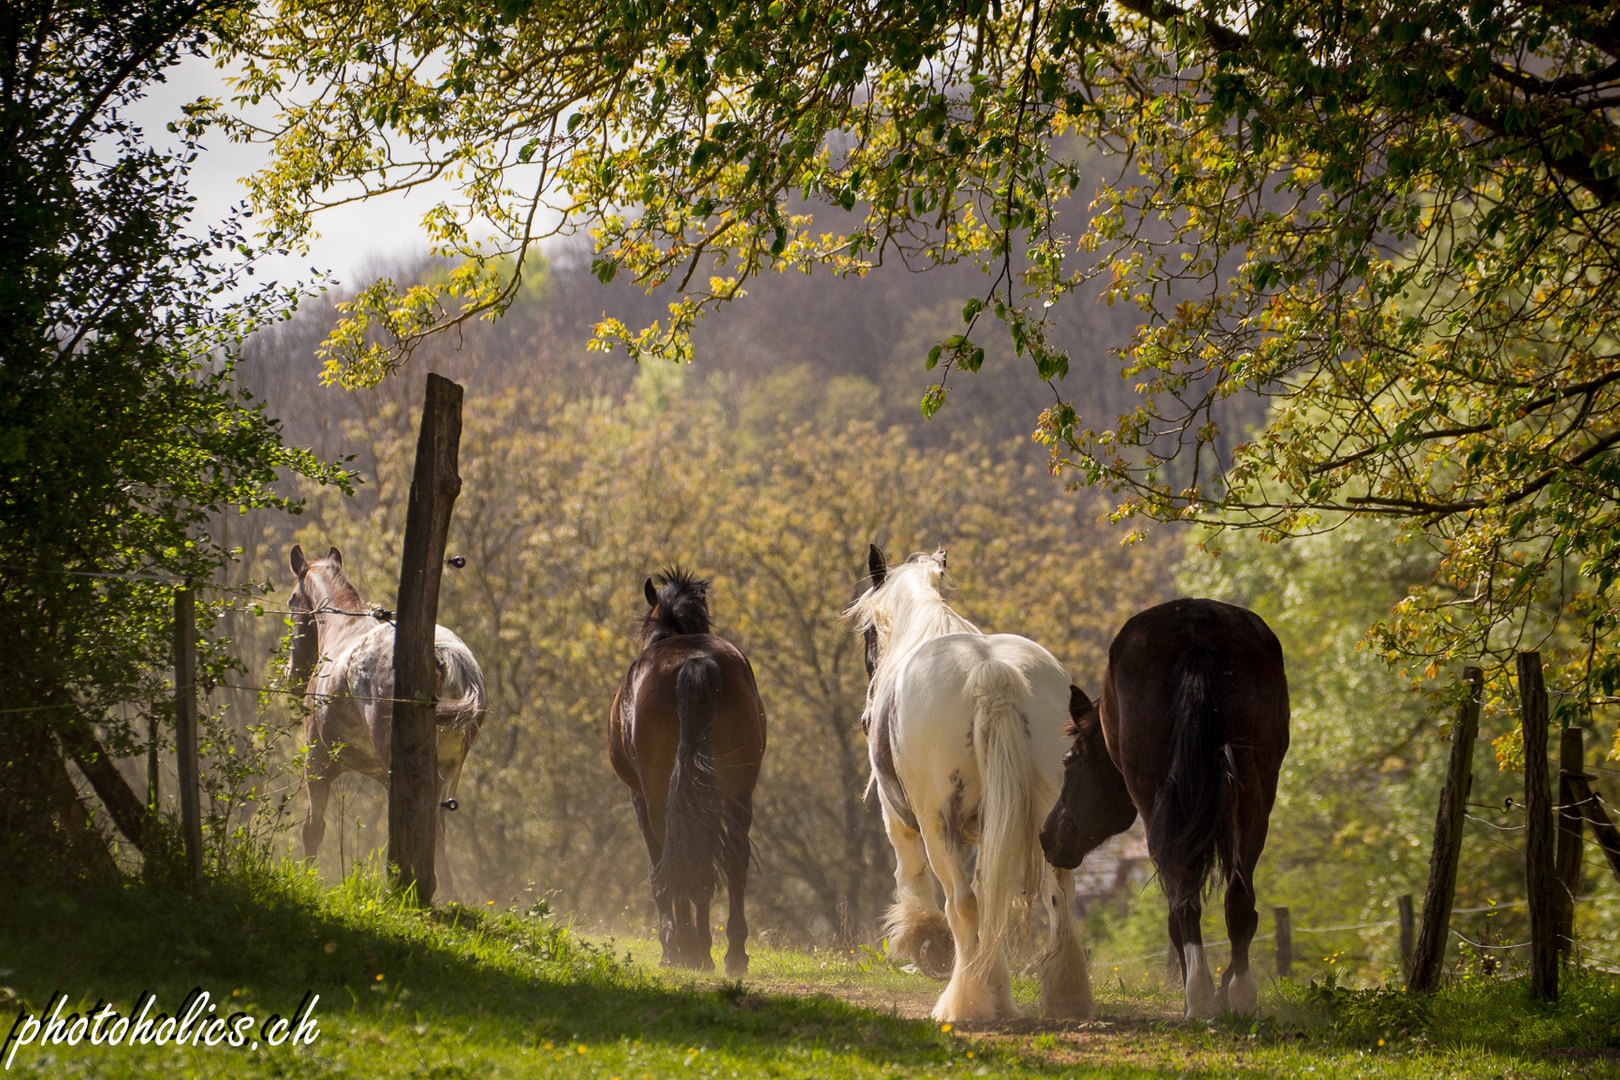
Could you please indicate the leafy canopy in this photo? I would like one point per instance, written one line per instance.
(1395, 220)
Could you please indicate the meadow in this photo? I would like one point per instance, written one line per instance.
(459, 993)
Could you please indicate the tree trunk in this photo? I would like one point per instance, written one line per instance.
(185, 731)
(124, 807)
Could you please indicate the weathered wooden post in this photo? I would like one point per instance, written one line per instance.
(152, 765)
(1430, 951)
(1285, 942)
(1403, 904)
(1540, 881)
(185, 729)
(1604, 833)
(413, 779)
(1567, 859)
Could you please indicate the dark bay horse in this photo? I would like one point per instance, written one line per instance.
(686, 733)
(343, 656)
(1190, 732)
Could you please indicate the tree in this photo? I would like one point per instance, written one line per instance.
(121, 432)
(1393, 220)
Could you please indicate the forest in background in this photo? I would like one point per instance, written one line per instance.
(767, 465)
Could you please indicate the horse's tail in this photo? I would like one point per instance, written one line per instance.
(1191, 826)
(462, 698)
(1012, 801)
(694, 821)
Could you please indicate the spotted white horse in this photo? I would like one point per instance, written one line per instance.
(965, 733)
(344, 657)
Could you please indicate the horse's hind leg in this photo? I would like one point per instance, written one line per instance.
(1177, 953)
(444, 882)
(742, 816)
(1065, 981)
(914, 926)
(1198, 986)
(701, 954)
(319, 773)
(972, 993)
(655, 851)
(1238, 991)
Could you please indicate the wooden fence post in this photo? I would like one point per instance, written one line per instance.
(1404, 905)
(1567, 860)
(185, 729)
(1430, 951)
(1285, 942)
(152, 764)
(413, 786)
(1540, 882)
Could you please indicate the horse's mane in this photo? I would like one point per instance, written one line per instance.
(906, 610)
(342, 593)
(682, 608)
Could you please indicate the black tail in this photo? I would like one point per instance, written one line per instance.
(1192, 822)
(694, 824)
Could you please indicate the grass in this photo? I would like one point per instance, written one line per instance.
(459, 994)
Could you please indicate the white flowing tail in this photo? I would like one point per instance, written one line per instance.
(1013, 799)
(461, 684)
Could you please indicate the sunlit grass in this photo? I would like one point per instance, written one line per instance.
(463, 993)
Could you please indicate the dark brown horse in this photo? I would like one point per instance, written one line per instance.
(687, 733)
(1190, 732)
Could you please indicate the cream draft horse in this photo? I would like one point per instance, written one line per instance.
(966, 738)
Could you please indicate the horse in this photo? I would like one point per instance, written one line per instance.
(965, 732)
(343, 657)
(686, 734)
(1190, 732)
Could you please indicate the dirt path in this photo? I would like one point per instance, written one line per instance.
(1112, 1038)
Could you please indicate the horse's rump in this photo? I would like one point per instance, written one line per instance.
(1197, 687)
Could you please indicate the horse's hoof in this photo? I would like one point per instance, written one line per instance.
(936, 958)
(736, 969)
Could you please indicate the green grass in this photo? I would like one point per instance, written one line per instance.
(459, 993)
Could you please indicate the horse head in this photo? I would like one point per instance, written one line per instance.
(903, 599)
(677, 603)
(318, 580)
(877, 565)
(1094, 803)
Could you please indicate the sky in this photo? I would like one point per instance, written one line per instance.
(353, 239)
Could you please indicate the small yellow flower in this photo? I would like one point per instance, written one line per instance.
(579, 1049)
(331, 946)
(379, 977)
(945, 1027)
(548, 1046)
